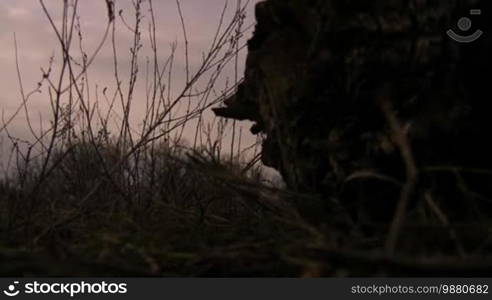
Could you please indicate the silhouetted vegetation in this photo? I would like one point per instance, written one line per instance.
(377, 183)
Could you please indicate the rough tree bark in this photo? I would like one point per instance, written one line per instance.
(324, 79)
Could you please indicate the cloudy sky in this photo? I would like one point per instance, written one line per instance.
(36, 44)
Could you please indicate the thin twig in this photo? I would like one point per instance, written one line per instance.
(400, 139)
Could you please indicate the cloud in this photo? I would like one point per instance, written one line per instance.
(18, 12)
(37, 42)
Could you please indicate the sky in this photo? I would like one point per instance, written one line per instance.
(25, 22)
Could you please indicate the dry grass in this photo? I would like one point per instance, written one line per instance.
(88, 198)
